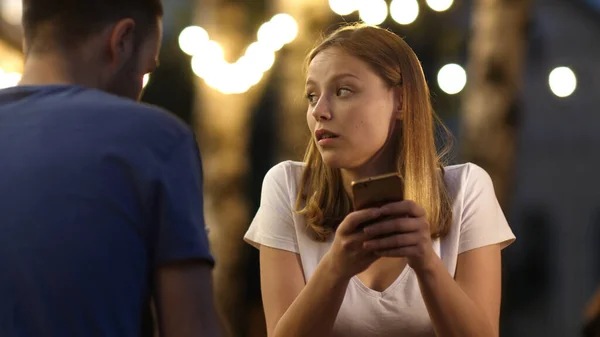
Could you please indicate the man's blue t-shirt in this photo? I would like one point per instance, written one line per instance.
(96, 191)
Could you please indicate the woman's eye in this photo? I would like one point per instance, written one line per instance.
(343, 92)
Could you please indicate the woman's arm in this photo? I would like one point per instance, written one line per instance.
(293, 308)
(465, 307)
(469, 305)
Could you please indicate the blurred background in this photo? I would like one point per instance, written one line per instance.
(517, 82)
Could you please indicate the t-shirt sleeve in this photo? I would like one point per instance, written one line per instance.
(181, 233)
(482, 223)
(273, 224)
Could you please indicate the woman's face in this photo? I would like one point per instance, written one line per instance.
(352, 112)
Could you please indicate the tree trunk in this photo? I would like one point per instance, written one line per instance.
(491, 107)
(312, 16)
(221, 122)
(592, 315)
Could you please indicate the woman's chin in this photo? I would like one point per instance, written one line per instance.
(336, 161)
(332, 161)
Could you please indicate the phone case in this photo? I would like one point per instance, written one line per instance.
(377, 191)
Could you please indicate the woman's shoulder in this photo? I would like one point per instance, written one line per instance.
(478, 219)
(466, 181)
(458, 176)
(285, 176)
(286, 170)
(288, 165)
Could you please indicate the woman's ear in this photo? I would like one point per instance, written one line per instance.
(398, 103)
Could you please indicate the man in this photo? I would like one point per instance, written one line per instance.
(100, 196)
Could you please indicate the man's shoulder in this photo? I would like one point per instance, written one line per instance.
(135, 124)
(85, 106)
(139, 115)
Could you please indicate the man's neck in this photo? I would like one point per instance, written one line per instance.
(52, 68)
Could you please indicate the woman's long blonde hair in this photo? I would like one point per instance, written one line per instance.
(321, 196)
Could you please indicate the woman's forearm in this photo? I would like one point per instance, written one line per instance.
(313, 312)
(451, 310)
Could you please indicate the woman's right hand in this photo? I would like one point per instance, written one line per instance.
(347, 255)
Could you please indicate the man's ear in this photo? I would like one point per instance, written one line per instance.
(122, 42)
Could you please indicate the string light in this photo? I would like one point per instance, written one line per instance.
(9, 79)
(404, 11)
(343, 7)
(191, 39)
(562, 81)
(208, 59)
(146, 80)
(452, 78)
(373, 12)
(440, 5)
(12, 11)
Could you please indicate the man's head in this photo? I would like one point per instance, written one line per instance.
(113, 42)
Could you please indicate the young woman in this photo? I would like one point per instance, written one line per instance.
(434, 268)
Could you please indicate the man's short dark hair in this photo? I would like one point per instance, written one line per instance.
(67, 23)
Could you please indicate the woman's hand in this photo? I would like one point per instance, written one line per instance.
(347, 255)
(404, 234)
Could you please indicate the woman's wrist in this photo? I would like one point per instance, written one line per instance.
(333, 272)
(427, 266)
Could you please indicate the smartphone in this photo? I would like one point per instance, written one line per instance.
(377, 191)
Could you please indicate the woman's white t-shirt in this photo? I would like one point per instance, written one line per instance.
(399, 310)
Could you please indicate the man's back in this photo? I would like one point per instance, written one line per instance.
(95, 192)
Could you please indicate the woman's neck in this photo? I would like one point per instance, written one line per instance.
(382, 162)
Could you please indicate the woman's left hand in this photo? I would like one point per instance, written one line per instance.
(404, 234)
